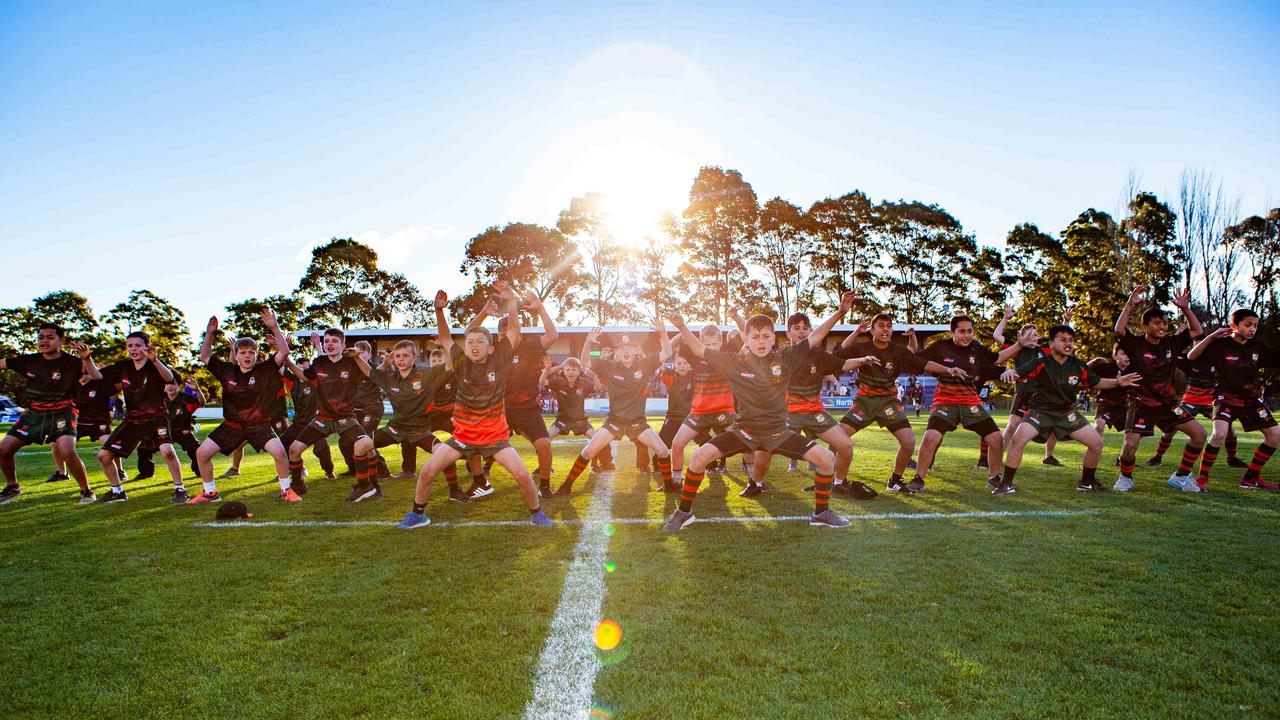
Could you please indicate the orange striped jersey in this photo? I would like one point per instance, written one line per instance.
(806, 380)
(975, 359)
(479, 407)
(882, 380)
(626, 385)
(1202, 380)
(711, 393)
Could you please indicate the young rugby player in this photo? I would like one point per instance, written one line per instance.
(1153, 403)
(1022, 389)
(302, 393)
(52, 379)
(250, 392)
(369, 411)
(1198, 400)
(626, 377)
(759, 378)
(93, 407)
(677, 376)
(571, 386)
(182, 398)
(481, 369)
(1112, 404)
(711, 407)
(1238, 356)
(146, 420)
(1056, 378)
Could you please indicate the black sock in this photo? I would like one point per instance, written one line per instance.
(1008, 474)
(897, 478)
(1089, 476)
(420, 509)
(478, 479)
(536, 510)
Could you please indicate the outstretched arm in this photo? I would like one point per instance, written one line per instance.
(443, 335)
(818, 334)
(361, 363)
(690, 340)
(86, 361)
(206, 347)
(293, 368)
(998, 333)
(1183, 302)
(1027, 338)
(273, 326)
(853, 363)
(1122, 322)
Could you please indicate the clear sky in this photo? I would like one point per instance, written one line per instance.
(200, 152)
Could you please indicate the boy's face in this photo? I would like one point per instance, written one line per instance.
(882, 331)
(135, 348)
(760, 341)
(435, 360)
(1121, 358)
(477, 346)
(1246, 328)
(247, 356)
(171, 389)
(333, 345)
(1156, 327)
(627, 354)
(48, 342)
(572, 373)
(799, 330)
(1064, 343)
(963, 334)
(711, 339)
(682, 366)
(403, 359)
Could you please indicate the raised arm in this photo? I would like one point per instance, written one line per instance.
(194, 390)
(1182, 301)
(818, 334)
(443, 335)
(913, 343)
(361, 363)
(592, 338)
(549, 331)
(513, 312)
(165, 373)
(206, 347)
(1204, 344)
(689, 339)
(86, 361)
(1122, 322)
(273, 326)
(1027, 338)
(851, 338)
(998, 333)
(735, 314)
(297, 371)
(663, 340)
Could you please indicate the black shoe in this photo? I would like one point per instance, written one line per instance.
(328, 476)
(180, 497)
(10, 493)
(993, 482)
(299, 486)
(377, 489)
(564, 490)
(1004, 488)
(916, 485)
(544, 489)
(362, 491)
(895, 485)
(457, 494)
(112, 496)
(56, 476)
(1052, 461)
(751, 490)
(146, 476)
(809, 488)
(1154, 461)
(1093, 486)
(348, 473)
(670, 488)
(1236, 462)
(982, 464)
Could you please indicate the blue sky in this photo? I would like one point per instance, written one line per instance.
(199, 152)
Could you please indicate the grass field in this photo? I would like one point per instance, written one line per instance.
(1152, 604)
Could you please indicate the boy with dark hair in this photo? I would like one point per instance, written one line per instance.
(807, 415)
(1154, 403)
(1113, 403)
(1198, 400)
(52, 378)
(1057, 377)
(626, 372)
(93, 408)
(336, 375)
(759, 378)
(1022, 388)
(368, 410)
(302, 393)
(677, 376)
(250, 391)
(571, 385)
(960, 363)
(146, 421)
(182, 398)
(711, 409)
(1238, 355)
(411, 392)
(481, 369)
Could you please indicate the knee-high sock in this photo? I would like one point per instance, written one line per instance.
(1260, 458)
(1165, 441)
(451, 475)
(360, 463)
(1230, 445)
(982, 451)
(295, 470)
(664, 469)
(821, 492)
(1207, 459)
(691, 482)
(1189, 455)
(580, 464)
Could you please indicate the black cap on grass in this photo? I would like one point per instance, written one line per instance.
(233, 511)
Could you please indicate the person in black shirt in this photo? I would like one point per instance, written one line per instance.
(93, 406)
(52, 378)
(302, 393)
(182, 399)
(571, 385)
(1153, 403)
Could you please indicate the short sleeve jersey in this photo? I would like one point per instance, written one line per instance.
(1238, 365)
(93, 402)
(336, 383)
(975, 359)
(711, 393)
(479, 409)
(760, 384)
(303, 395)
(51, 383)
(1107, 369)
(1156, 363)
(627, 386)
(881, 380)
(1026, 355)
(144, 398)
(571, 397)
(248, 398)
(182, 412)
(367, 396)
(806, 380)
(1055, 385)
(411, 395)
(679, 392)
(526, 367)
(1202, 379)
(446, 392)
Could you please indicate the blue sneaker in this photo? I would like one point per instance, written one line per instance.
(540, 519)
(414, 520)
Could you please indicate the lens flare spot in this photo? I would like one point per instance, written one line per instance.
(610, 567)
(601, 712)
(608, 529)
(608, 634)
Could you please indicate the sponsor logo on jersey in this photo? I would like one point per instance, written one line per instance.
(1073, 380)
(93, 393)
(417, 385)
(1262, 413)
(493, 377)
(775, 369)
(748, 375)
(58, 375)
(888, 411)
(637, 375)
(253, 381)
(344, 374)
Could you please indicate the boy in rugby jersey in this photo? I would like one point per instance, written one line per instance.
(412, 392)
(336, 376)
(481, 367)
(142, 377)
(1056, 378)
(1238, 355)
(806, 413)
(368, 410)
(1022, 389)
(711, 406)
(93, 408)
(1112, 403)
(52, 378)
(250, 392)
(1154, 403)
(302, 393)
(182, 398)
(1198, 400)
(571, 386)
(677, 376)
(759, 378)
(626, 372)
(964, 364)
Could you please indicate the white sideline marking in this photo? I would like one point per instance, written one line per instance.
(648, 521)
(568, 665)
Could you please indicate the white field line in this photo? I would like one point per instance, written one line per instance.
(647, 521)
(568, 665)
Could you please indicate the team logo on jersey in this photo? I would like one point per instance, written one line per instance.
(344, 374)
(253, 381)
(1073, 380)
(775, 369)
(820, 417)
(417, 385)
(306, 390)
(888, 411)
(721, 417)
(973, 409)
(972, 359)
(515, 359)
(58, 375)
(493, 377)
(93, 393)
(1072, 417)
(637, 375)
(1168, 354)
(813, 369)
(61, 424)
(1262, 413)
(162, 432)
(888, 366)
(1255, 357)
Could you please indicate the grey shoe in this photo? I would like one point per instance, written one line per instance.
(1124, 483)
(678, 520)
(230, 473)
(87, 497)
(180, 497)
(829, 519)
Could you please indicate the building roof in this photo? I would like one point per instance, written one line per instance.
(923, 328)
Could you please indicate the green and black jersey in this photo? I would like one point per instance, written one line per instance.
(806, 381)
(411, 395)
(882, 380)
(759, 385)
(51, 382)
(1056, 385)
(627, 386)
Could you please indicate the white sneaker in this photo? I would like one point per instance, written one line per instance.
(1124, 483)
(1189, 484)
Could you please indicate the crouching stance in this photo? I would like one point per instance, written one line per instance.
(759, 378)
(249, 392)
(479, 415)
(1055, 380)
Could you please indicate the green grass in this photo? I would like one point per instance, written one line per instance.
(1158, 605)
